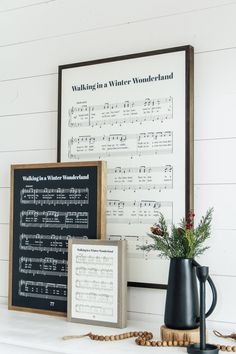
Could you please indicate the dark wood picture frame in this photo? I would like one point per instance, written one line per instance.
(118, 63)
(36, 246)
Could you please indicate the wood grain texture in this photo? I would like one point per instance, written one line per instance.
(15, 5)
(191, 335)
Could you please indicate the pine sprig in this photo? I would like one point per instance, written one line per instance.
(183, 241)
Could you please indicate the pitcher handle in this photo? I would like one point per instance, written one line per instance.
(213, 289)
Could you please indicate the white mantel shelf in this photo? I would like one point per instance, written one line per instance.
(28, 333)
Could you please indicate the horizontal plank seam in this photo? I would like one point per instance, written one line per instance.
(215, 184)
(49, 1)
(213, 229)
(29, 77)
(223, 275)
(215, 138)
(161, 314)
(217, 321)
(26, 6)
(56, 73)
(26, 113)
(26, 150)
(55, 111)
(212, 275)
(99, 28)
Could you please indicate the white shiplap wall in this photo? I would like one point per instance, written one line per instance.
(37, 36)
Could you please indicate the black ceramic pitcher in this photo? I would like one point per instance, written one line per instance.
(182, 305)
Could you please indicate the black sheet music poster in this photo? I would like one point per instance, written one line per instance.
(51, 203)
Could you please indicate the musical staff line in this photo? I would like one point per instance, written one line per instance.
(131, 221)
(42, 290)
(131, 145)
(81, 258)
(59, 196)
(84, 115)
(46, 243)
(140, 178)
(126, 187)
(137, 212)
(91, 272)
(139, 204)
(43, 266)
(140, 170)
(95, 297)
(94, 284)
(97, 310)
(54, 219)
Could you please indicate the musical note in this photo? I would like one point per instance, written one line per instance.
(54, 219)
(97, 310)
(81, 258)
(59, 196)
(131, 145)
(94, 284)
(42, 290)
(137, 212)
(43, 266)
(140, 178)
(95, 297)
(91, 272)
(46, 243)
(119, 113)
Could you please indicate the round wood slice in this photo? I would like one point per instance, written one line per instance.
(189, 335)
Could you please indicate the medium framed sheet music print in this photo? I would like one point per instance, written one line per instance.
(50, 204)
(135, 112)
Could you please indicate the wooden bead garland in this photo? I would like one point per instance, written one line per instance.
(145, 339)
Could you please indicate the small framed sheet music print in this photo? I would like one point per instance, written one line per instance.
(97, 285)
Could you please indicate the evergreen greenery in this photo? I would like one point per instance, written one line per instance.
(184, 241)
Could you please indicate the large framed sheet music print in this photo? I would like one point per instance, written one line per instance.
(135, 112)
